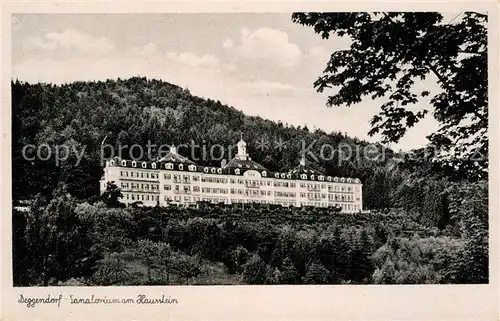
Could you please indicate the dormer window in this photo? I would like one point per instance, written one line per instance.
(288, 176)
(205, 169)
(237, 171)
(348, 180)
(342, 180)
(192, 168)
(153, 165)
(312, 176)
(264, 173)
(321, 178)
(144, 165)
(335, 179)
(112, 163)
(134, 164)
(169, 166)
(219, 170)
(357, 181)
(283, 175)
(181, 167)
(212, 170)
(303, 176)
(124, 163)
(277, 175)
(329, 178)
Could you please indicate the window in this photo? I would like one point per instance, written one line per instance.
(192, 168)
(205, 169)
(134, 164)
(303, 176)
(169, 166)
(321, 178)
(219, 170)
(335, 179)
(144, 165)
(213, 170)
(167, 187)
(124, 163)
(153, 165)
(237, 171)
(264, 173)
(196, 178)
(181, 167)
(167, 176)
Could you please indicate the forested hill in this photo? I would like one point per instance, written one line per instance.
(138, 110)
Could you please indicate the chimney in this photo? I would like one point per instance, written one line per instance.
(223, 163)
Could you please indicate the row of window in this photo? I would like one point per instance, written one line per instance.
(284, 194)
(250, 192)
(214, 180)
(237, 172)
(188, 199)
(214, 190)
(138, 174)
(249, 183)
(140, 186)
(140, 197)
(341, 198)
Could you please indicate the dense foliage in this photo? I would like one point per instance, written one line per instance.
(65, 241)
(390, 53)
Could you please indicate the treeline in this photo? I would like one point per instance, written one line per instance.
(63, 241)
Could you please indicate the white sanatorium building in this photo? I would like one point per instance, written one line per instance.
(176, 179)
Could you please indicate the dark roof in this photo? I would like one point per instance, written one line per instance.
(302, 169)
(176, 158)
(245, 164)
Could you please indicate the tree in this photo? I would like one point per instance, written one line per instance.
(186, 266)
(111, 196)
(289, 273)
(389, 52)
(255, 271)
(155, 255)
(316, 274)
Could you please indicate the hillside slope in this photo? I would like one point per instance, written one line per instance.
(137, 110)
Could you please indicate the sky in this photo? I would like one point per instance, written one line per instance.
(261, 64)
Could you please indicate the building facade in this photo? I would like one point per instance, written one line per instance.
(178, 180)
